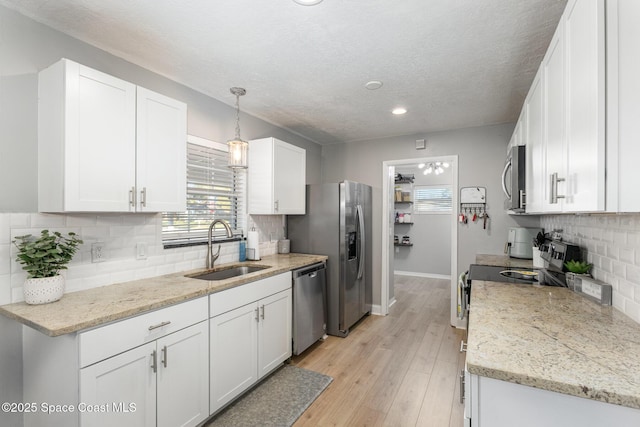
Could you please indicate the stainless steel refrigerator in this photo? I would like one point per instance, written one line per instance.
(338, 224)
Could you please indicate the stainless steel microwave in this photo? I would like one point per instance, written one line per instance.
(513, 180)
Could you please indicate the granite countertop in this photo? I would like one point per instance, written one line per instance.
(553, 339)
(503, 261)
(94, 307)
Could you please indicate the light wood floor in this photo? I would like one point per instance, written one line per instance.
(397, 370)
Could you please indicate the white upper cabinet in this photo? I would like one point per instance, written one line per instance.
(623, 105)
(585, 106)
(565, 110)
(106, 145)
(535, 157)
(553, 78)
(277, 177)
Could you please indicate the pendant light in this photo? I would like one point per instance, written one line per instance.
(238, 148)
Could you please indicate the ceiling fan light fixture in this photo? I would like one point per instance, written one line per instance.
(238, 149)
(436, 167)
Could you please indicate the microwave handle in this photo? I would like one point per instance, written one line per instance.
(504, 179)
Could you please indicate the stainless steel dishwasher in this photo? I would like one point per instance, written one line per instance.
(309, 306)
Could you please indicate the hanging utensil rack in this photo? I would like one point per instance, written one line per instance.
(473, 201)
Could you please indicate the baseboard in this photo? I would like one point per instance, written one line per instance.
(376, 309)
(427, 275)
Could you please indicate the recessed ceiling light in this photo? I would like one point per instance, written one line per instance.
(373, 84)
(399, 111)
(307, 2)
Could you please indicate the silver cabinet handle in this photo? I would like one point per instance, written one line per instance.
(462, 386)
(262, 312)
(276, 205)
(143, 197)
(154, 361)
(257, 316)
(165, 354)
(132, 197)
(463, 346)
(553, 193)
(160, 325)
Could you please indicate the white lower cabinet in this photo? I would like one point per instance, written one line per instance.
(125, 381)
(149, 370)
(250, 335)
(496, 403)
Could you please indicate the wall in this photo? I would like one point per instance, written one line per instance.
(613, 247)
(27, 47)
(430, 234)
(481, 151)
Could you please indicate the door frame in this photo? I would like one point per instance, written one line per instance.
(388, 171)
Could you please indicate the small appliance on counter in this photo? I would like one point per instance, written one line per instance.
(520, 242)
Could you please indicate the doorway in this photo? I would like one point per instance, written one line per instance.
(390, 208)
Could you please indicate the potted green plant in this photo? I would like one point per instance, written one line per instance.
(576, 269)
(43, 258)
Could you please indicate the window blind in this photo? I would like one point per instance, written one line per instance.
(214, 191)
(431, 199)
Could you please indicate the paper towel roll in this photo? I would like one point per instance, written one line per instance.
(253, 246)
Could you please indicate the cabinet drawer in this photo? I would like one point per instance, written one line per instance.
(230, 299)
(107, 341)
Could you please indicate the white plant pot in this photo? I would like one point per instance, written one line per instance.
(43, 290)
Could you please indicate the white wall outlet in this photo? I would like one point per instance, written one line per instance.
(141, 250)
(97, 252)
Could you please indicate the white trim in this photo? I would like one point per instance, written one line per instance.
(376, 310)
(427, 275)
(388, 170)
(207, 143)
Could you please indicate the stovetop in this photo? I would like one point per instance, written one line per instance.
(515, 275)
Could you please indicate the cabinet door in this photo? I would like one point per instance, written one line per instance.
(554, 120)
(183, 377)
(233, 354)
(161, 153)
(274, 336)
(99, 129)
(585, 105)
(535, 148)
(124, 389)
(623, 108)
(289, 178)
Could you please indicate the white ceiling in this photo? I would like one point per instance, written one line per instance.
(451, 63)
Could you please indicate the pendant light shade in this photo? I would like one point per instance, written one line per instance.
(238, 149)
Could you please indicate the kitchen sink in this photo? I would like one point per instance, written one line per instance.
(228, 272)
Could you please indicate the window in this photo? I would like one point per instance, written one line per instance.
(214, 191)
(431, 199)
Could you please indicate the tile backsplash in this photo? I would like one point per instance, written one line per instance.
(120, 233)
(612, 244)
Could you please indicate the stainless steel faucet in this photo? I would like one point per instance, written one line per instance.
(211, 257)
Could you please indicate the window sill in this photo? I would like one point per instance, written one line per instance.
(200, 242)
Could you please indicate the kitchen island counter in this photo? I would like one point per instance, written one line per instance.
(553, 339)
(503, 261)
(90, 308)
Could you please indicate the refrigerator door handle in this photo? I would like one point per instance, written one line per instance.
(362, 237)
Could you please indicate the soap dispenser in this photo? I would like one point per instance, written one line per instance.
(243, 249)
